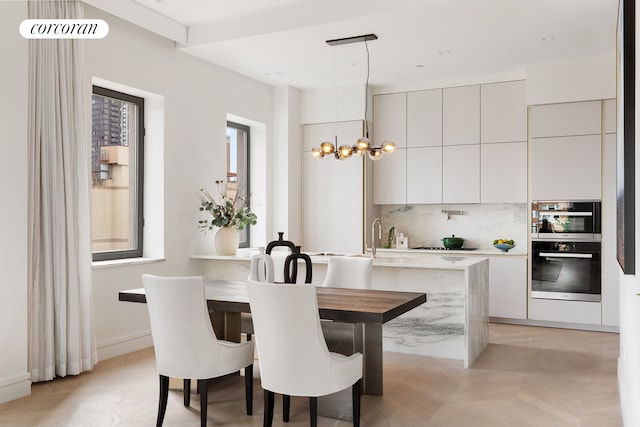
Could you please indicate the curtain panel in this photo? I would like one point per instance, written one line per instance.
(61, 327)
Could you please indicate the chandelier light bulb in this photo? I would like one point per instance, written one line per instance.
(388, 147)
(375, 153)
(344, 152)
(363, 144)
(327, 148)
(316, 153)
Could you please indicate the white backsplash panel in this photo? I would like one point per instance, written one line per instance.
(477, 224)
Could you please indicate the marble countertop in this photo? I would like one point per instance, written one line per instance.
(425, 259)
(517, 251)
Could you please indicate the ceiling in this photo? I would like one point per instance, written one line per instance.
(282, 42)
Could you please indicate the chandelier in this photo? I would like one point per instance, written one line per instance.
(362, 145)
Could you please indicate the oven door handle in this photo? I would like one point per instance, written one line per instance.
(565, 255)
(564, 213)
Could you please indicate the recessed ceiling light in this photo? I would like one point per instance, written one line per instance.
(445, 52)
(548, 38)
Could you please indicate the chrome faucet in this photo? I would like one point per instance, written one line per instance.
(373, 235)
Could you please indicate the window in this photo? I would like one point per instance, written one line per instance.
(238, 167)
(117, 143)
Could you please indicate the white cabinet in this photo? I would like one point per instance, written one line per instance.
(566, 168)
(424, 118)
(508, 287)
(461, 115)
(503, 112)
(443, 162)
(326, 209)
(610, 116)
(503, 172)
(390, 119)
(565, 311)
(461, 174)
(574, 118)
(424, 175)
(390, 179)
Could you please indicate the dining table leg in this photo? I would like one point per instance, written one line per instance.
(226, 324)
(372, 355)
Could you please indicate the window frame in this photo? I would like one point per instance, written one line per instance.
(247, 179)
(136, 252)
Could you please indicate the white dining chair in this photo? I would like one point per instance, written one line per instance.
(261, 269)
(349, 272)
(185, 343)
(293, 356)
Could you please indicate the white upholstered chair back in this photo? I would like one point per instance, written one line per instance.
(184, 341)
(349, 272)
(293, 355)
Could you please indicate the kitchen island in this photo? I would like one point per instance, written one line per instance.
(452, 324)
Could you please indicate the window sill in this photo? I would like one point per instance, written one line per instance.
(123, 262)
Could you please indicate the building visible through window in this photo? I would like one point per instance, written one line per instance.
(116, 165)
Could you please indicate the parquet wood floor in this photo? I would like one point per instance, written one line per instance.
(528, 376)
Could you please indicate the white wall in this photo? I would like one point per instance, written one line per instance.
(287, 165)
(197, 98)
(14, 379)
(336, 104)
(572, 80)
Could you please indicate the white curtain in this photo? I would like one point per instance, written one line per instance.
(61, 329)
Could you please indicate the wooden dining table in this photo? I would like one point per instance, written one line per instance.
(366, 310)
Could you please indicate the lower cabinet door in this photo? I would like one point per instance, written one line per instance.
(508, 287)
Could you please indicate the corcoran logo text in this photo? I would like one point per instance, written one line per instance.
(64, 28)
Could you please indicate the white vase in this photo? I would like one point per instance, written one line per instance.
(226, 241)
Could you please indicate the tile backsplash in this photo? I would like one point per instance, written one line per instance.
(478, 224)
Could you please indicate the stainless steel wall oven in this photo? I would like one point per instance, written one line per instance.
(566, 250)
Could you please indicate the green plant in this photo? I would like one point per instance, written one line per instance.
(227, 208)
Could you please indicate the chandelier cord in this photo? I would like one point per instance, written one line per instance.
(366, 94)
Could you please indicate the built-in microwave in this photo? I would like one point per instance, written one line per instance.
(562, 220)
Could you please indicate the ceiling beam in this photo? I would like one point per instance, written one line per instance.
(144, 17)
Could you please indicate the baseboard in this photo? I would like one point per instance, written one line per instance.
(15, 387)
(123, 345)
(561, 325)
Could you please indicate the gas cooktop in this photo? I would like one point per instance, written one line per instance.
(442, 248)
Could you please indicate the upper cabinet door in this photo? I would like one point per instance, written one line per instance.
(390, 179)
(566, 168)
(390, 119)
(503, 172)
(503, 112)
(424, 175)
(424, 118)
(461, 115)
(461, 174)
(574, 118)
